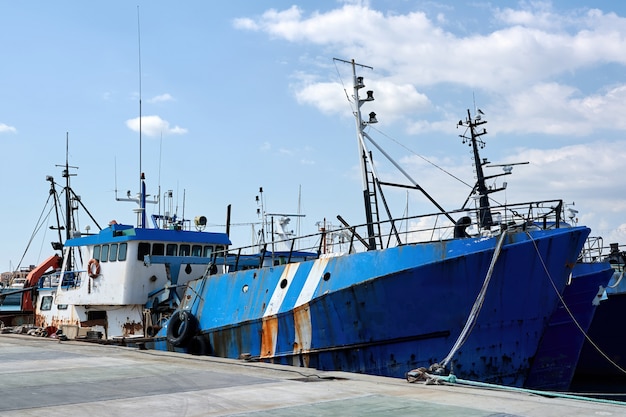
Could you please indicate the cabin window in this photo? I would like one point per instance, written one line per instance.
(184, 250)
(220, 250)
(158, 249)
(105, 253)
(121, 253)
(96, 252)
(171, 249)
(46, 303)
(113, 252)
(208, 251)
(196, 250)
(62, 307)
(143, 250)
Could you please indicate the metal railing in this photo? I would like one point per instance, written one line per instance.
(418, 229)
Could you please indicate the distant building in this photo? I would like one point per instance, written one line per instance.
(15, 277)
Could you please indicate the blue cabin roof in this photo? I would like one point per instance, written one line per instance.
(126, 233)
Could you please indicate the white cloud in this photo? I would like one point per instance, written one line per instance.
(587, 174)
(161, 98)
(154, 126)
(517, 65)
(538, 73)
(7, 129)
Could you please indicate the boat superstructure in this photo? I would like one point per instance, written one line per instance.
(474, 300)
(108, 278)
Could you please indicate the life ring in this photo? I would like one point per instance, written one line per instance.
(93, 268)
(181, 326)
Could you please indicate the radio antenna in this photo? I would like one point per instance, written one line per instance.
(139, 53)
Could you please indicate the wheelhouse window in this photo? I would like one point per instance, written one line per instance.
(196, 250)
(184, 250)
(158, 249)
(62, 307)
(113, 252)
(96, 252)
(121, 253)
(104, 253)
(171, 249)
(207, 252)
(143, 250)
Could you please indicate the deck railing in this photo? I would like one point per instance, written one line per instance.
(418, 229)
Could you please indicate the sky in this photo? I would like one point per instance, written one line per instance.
(247, 95)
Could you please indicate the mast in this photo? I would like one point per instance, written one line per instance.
(142, 183)
(69, 223)
(485, 219)
(357, 83)
(370, 187)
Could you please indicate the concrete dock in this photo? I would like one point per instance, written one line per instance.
(44, 377)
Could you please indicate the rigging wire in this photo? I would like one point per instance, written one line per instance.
(345, 90)
(38, 227)
(421, 157)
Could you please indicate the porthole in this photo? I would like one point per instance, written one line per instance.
(244, 289)
(326, 276)
(283, 283)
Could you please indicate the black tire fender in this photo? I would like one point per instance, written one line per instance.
(199, 345)
(181, 327)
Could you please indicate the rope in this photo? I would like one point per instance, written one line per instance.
(422, 375)
(537, 392)
(569, 312)
(478, 304)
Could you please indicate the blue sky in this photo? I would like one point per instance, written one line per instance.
(246, 95)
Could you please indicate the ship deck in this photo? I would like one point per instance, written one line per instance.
(72, 378)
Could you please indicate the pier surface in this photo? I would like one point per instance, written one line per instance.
(44, 377)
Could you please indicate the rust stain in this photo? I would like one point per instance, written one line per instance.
(268, 336)
(303, 333)
(132, 328)
(40, 321)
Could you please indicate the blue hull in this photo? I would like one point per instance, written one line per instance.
(607, 332)
(560, 347)
(388, 311)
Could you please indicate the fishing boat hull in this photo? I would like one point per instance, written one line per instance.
(12, 310)
(560, 347)
(18, 304)
(605, 359)
(388, 311)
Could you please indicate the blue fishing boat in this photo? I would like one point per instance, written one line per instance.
(470, 291)
(603, 357)
(559, 350)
